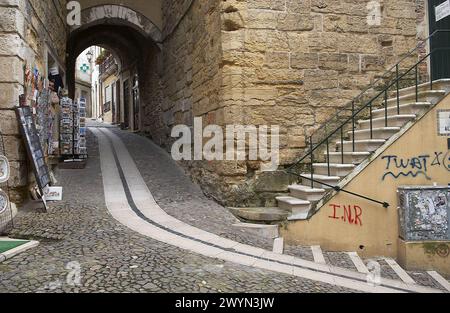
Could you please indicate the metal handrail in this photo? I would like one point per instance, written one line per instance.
(355, 112)
(420, 45)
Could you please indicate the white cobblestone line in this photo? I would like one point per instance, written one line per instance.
(278, 245)
(359, 264)
(318, 255)
(120, 209)
(441, 280)
(399, 271)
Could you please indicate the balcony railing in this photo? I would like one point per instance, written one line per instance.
(107, 64)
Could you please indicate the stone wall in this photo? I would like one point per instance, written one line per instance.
(294, 63)
(26, 27)
(291, 63)
(190, 80)
(275, 45)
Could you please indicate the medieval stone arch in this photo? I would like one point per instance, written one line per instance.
(129, 35)
(118, 15)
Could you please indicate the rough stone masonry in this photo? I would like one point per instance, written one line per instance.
(290, 63)
(29, 30)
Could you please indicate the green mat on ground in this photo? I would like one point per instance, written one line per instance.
(6, 245)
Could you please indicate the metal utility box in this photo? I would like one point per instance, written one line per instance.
(424, 213)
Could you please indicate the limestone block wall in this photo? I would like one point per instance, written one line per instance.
(185, 79)
(291, 63)
(307, 58)
(26, 28)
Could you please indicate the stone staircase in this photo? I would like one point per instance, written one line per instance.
(302, 197)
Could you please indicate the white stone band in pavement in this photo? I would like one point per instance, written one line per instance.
(118, 206)
(441, 280)
(359, 264)
(318, 255)
(399, 271)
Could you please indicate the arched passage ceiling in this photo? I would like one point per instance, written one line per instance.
(112, 14)
(152, 9)
(127, 44)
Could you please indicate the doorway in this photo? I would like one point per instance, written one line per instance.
(126, 103)
(118, 117)
(440, 58)
(136, 103)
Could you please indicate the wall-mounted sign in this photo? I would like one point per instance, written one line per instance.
(424, 213)
(442, 10)
(33, 145)
(444, 122)
(84, 68)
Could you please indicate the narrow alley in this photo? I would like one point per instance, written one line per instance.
(113, 257)
(123, 240)
(225, 147)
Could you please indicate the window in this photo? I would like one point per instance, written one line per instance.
(108, 94)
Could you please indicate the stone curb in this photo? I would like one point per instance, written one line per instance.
(13, 252)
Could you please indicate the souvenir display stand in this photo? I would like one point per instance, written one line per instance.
(38, 114)
(73, 133)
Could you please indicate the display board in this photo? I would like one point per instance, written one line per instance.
(33, 145)
(424, 213)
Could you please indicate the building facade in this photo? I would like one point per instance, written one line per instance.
(286, 63)
(33, 39)
(83, 80)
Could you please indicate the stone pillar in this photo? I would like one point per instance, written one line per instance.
(12, 32)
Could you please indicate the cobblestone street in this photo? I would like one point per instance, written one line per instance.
(114, 258)
(216, 147)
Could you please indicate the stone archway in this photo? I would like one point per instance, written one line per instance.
(130, 36)
(118, 15)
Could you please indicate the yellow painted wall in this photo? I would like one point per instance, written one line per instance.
(424, 256)
(378, 233)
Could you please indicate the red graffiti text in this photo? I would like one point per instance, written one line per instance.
(351, 214)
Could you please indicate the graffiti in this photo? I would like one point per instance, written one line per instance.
(351, 214)
(397, 167)
(442, 250)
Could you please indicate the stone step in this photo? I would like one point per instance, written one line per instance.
(329, 180)
(349, 157)
(432, 96)
(409, 108)
(261, 214)
(336, 169)
(392, 121)
(306, 193)
(441, 84)
(260, 230)
(299, 208)
(377, 133)
(367, 145)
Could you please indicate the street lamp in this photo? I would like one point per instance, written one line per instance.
(89, 56)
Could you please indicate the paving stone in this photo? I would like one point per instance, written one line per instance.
(80, 229)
